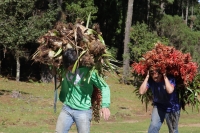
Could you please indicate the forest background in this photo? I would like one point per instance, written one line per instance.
(129, 28)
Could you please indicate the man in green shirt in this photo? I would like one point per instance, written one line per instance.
(76, 92)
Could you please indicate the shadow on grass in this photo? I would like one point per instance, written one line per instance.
(12, 92)
(3, 92)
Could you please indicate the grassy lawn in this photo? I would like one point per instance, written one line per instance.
(31, 111)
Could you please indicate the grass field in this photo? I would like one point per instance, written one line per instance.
(28, 108)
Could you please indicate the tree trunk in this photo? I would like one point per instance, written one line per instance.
(182, 15)
(186, 14)
(162, 7)
(0, 64)
(61, 14)
(148, 11)
(126, 55)
(17, 68)
(192, 17)
(46, 75)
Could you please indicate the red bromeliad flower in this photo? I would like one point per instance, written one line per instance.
(168, 60)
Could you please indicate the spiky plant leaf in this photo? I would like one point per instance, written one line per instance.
(91, 31)
(76, 63)
(88, 20)
(101, 39)
(58, 52)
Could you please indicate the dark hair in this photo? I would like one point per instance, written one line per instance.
(69, 57)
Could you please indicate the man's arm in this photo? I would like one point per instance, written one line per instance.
(105, 91)
(168, 85)
(143, 87)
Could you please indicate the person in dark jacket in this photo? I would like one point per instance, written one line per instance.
(165, 100)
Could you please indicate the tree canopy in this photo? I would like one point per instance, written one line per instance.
(174, 22)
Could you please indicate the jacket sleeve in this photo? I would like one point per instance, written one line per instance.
(172, 81)
(64, 88)
(104, 88)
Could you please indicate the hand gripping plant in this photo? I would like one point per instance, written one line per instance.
(88, 43)
(172, 62)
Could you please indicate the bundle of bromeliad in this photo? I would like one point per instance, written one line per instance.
(172, 62)
(89, 45)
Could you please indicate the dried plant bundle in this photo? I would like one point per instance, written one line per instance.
(89, 45)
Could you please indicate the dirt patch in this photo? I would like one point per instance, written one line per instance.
(51, 121)
(30, 123)
(6, 99)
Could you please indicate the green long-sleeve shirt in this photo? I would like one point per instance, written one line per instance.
(77, 88)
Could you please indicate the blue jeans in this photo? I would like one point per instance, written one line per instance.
(68, 116)
(158, 117)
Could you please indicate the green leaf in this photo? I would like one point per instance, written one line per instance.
(88, 20)
(91, 31)
(91, 71)
(76, 63)
(58, 52)
(101, 39)
(108, 55)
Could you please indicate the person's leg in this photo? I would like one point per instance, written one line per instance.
(64, 121)
(157, 118)
(172, 120)
(83, 120)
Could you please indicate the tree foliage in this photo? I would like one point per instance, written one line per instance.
(179, 35)
(142, 40)
(21, 22)
(196, 18)
(80, 9)
(112, 18)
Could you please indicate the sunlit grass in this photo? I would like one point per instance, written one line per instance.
(32, 112)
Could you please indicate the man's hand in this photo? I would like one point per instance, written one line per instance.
(147, 75)
(164, 75)
(105, 112)
(143, 86)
